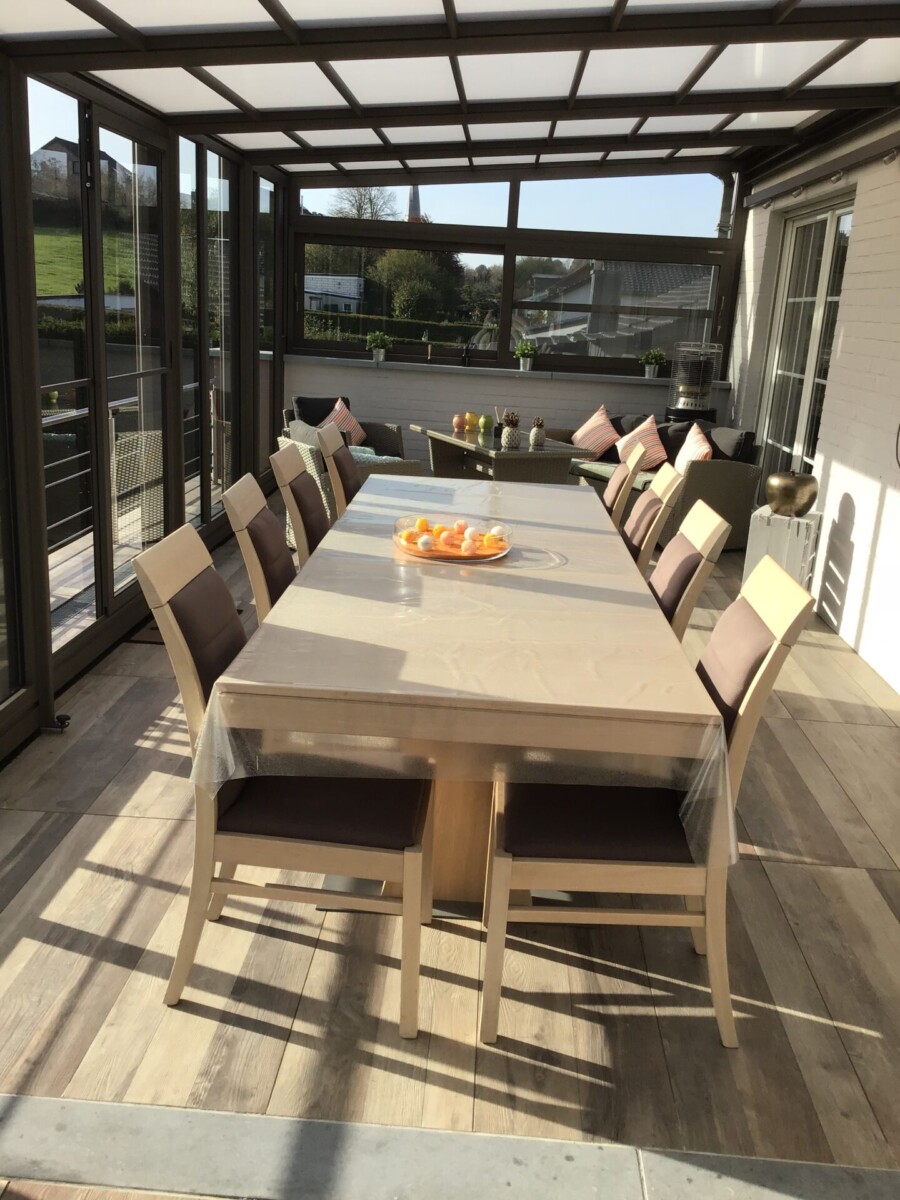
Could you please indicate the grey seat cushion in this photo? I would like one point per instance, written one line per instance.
(618, 823)
(385, 813)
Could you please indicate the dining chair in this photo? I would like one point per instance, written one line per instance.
(615, 494)
(302, 499)
(380, 828)
(260, 536)
(686, 563)
(648, 517)
(342, 471)
(630, 840)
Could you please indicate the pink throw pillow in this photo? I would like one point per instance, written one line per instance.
(696, 448)
(596, 434)
(654, 451)
(341, 416)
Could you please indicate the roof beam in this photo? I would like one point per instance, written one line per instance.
(485, 112)
(283, 20)
(340, 43)
(111, 21)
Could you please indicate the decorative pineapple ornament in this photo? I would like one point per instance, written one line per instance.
(538, 434)
(511, 437)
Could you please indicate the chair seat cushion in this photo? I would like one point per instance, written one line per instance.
(385, 813)
(621, 824)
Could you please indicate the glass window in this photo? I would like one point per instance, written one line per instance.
(220, 248)
(609, 309)
(9, 667)
(439, 298)
(265, 283)
(437, 204)
(190, 345)
(671, 206)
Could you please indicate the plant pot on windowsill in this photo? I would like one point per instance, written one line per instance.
(525, 364)
(651, 361)
(651, 370)
(378, 355)
(525, 352)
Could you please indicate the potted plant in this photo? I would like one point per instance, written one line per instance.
(525, 352)
(653, 360)
(378, 343)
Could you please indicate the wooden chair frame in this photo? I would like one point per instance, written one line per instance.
(707, 532)
(243, 501)
(330, 440)
(667, 483)
(633, 462)
(287, 465)
(784, 606)
(163, 570)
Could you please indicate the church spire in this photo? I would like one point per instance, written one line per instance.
(413, 206)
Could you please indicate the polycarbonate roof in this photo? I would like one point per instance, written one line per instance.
(392, 90)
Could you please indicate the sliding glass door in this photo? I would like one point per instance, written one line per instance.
(806, 315)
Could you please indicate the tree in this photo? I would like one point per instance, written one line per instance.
(421, 285)
(365, 204)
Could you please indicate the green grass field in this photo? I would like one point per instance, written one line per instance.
(59, 266)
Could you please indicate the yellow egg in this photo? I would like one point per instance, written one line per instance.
(422, 525)
(408, 535)
(438, 530)
(490, 541)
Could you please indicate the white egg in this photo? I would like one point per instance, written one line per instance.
(469, 546)
(499, 531)
(425, 542)
(473, 532)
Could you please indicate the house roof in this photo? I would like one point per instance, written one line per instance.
(403, 91)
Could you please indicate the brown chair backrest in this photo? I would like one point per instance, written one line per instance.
(259, 534)
(685, 565)
(617, 491)
(342, 470)
(195, 614)
(741, 661)
(650, 513)
(302, 499)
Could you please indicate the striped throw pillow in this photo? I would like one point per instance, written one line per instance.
(596, 434)
(341, 416)
(654, 451)
(696, 448)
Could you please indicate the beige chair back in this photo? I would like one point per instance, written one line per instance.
(615, 497)
(302, 499)
(748, 646)
(686, 563)
(650, 513)
(260, 536)
(342, 470)
(195, 613)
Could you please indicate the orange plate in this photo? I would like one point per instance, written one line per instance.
(454, 552)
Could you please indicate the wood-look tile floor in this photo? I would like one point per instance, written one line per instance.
(607, 1034)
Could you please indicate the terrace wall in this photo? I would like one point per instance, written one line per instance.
(857, 578)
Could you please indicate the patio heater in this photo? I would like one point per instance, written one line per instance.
(694, 368)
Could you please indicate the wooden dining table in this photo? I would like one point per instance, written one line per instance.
(553, 662)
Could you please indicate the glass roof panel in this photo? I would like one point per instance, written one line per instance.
(488, 10)
(511, 130)
(438, 162)
(762, 65)
(261, 141)
(639, 72)
(572, 157)
(770, 120)
(701, 123)
(281, 85)
(384, 165)
(600, 126)
(425, 133)
(648, 6)
(161, 16)
(619, 154)
(514, 76)
(875, 61)
(341, 137)
(167, 89)
(307, 167)
(398, 80)
(334, 12)
(503, 160)
(50, 17)
(706, 152)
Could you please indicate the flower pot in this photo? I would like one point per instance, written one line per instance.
(525, 364)
(511, 437)
(651, 370)
(537, 438)
(791, 494)
(378, 355)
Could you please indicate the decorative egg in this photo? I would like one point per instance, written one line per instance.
(425, 542)
(438, 530)
(498, 531)
(473, 533)
(408, 535)
(469, 546)
(491, 541)
(447, 538)
(422, 525)
(461, 526)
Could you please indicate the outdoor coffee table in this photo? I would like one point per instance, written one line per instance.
(480, 456)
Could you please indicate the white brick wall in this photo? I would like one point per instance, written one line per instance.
(857, 579)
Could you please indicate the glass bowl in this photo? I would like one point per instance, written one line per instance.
(415, 535)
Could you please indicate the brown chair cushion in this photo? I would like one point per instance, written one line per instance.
(210, 625)
(733, 655)
(348, 472)
(614, 487)
(306, 492)
(384, 813)
(618, 823)
(275, 558)
(638, 524)
(673, 573)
